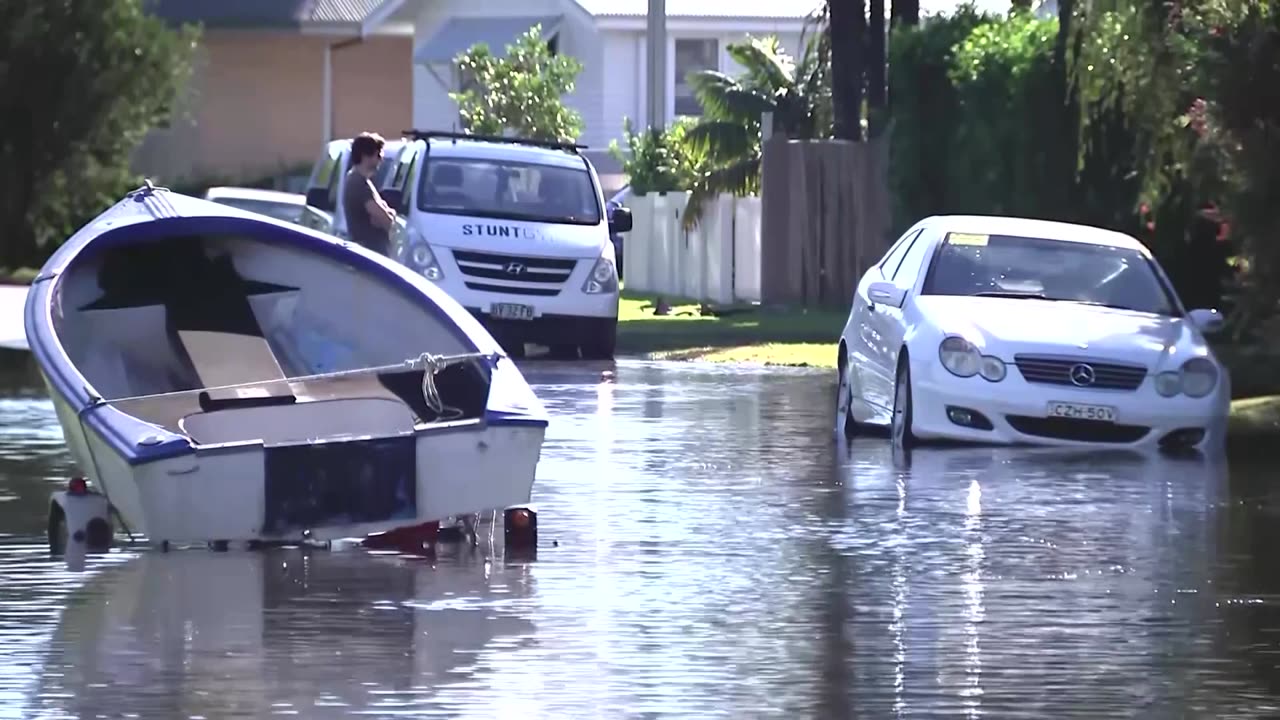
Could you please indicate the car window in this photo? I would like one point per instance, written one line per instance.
(908, 269)
(508, 189)
(1013, 266)
(894, 256)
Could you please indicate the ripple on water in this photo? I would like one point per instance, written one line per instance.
(708, 551)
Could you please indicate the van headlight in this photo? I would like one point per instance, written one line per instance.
(417, 254)
(962, 359)
(603, 278)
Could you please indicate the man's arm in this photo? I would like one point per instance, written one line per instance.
(380, 214)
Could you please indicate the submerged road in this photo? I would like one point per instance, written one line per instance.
(708, 550)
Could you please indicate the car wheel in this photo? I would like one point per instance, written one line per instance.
(901, 426)
(844, 402)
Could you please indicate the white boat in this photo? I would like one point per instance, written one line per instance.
(225, 376)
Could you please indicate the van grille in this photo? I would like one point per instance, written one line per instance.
(515, 274)
(1057, 371)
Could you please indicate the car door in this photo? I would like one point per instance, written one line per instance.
(322, 187)
(397, 191)
(890, 321)
(865, 342)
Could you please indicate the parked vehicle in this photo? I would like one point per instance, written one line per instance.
(515, 230)
(225, 376)
(618, 200)
(325, 188)
(1008, 330)
(290, 207)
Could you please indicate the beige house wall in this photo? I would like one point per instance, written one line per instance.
(254, 105)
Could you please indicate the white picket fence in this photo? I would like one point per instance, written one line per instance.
(717, 262)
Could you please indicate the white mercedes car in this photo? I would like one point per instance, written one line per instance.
(1013, 331)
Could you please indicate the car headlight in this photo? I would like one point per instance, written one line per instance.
(417, 254)
(1168, 384)
(962, 359)
(603, 278)
(1199, 376)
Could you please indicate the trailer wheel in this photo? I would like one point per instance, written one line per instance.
(57, 529)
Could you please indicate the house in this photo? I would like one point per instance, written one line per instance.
(274, 79)
(608, 37)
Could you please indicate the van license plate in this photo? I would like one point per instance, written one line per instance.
(1100, 413)
(511, 311)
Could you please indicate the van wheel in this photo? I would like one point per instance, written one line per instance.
(602, 348)
(564, 352)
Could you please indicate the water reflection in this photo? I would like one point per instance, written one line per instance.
(708, 551)
(252, 634)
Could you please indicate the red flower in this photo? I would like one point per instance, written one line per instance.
(1224, 231)
(1151, 226)
(1143, 209)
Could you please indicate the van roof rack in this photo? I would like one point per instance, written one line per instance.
(455, 136)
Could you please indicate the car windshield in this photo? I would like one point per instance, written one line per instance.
(1009, 266)
(510, 190)
(280, 211)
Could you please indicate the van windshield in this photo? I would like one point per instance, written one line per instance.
(508, 189)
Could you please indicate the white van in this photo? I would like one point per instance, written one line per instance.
(516, 231)
(325, 188)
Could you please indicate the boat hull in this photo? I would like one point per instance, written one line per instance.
(230, 493)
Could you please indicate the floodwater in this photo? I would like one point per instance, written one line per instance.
(707, 550)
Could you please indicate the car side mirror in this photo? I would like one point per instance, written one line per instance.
(318, 197)
(620, 220)
(1208, 321)
(886, 293)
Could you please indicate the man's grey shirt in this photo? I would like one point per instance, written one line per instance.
(358, 191)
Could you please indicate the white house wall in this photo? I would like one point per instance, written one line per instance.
(624, 71)
(432, 107)
(612, 51)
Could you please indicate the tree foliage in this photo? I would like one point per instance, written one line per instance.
(658, 161)
(797, 93)
(81, 83)
(521, 93)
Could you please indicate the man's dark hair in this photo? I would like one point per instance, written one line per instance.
(364, 145)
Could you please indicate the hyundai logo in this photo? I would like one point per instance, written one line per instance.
(515, 268)
(1082, 375)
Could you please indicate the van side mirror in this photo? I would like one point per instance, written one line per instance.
(318, 197)
(620, 220)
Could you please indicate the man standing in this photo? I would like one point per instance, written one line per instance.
(369, 218)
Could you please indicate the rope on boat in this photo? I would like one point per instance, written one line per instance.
(433, 364)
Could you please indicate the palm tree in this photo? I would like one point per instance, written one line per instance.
(728, 135)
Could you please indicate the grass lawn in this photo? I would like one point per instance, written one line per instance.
(744, 334)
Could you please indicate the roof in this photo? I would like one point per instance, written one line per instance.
(757, 9)
(1028, 227)
(457, 34)
(255, 194)
(268, 14)
(752, 9)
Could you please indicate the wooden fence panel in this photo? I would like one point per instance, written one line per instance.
(824, 218)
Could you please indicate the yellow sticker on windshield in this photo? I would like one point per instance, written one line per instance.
(968, 239)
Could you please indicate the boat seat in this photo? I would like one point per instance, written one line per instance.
(221, 358)
(299, 423)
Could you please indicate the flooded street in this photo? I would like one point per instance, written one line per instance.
(707, 550)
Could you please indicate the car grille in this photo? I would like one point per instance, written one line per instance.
(515, 274)
(1079, 430)
(1057, 371)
